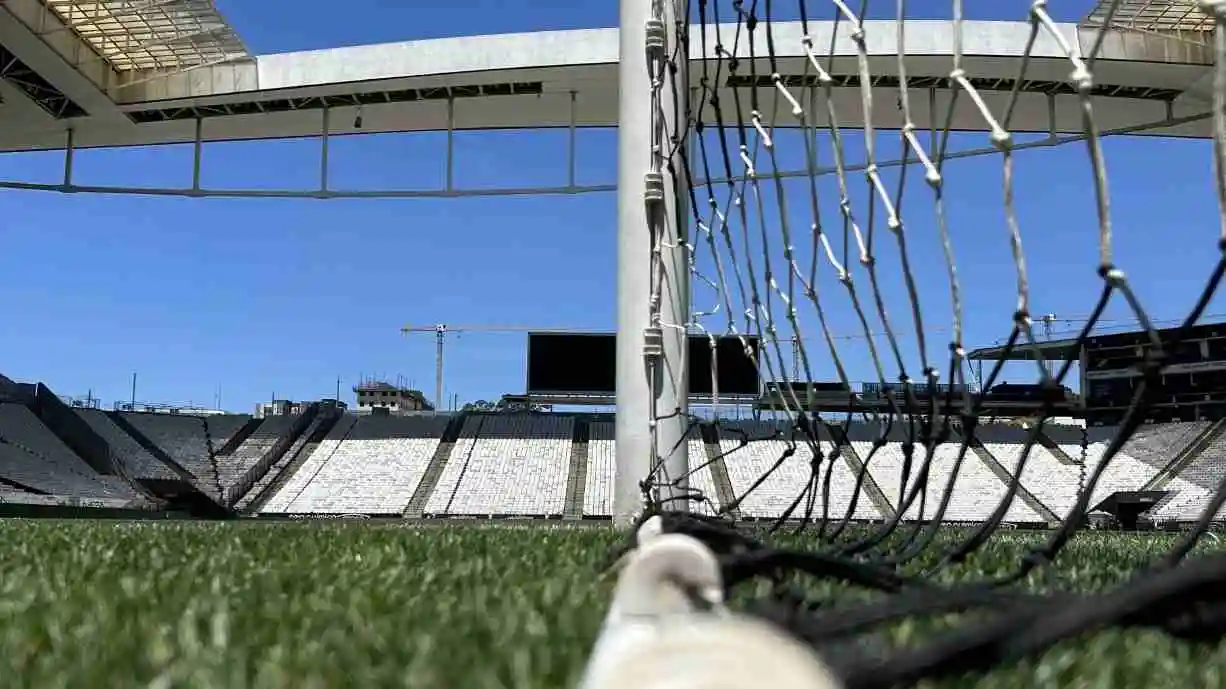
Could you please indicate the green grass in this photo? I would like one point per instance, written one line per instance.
(305, 605)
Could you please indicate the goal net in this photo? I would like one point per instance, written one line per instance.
(839, 167)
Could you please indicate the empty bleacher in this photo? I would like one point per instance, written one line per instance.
(976, 491)
(20, 497)
(1157, 444)
(233, 467)
(1196, 483)
(371, 466)
(598, 485)
(183, 439)
(31, 455)
(223, 427)
(783, 483)
(1123, 472)
(512, 465)
(1053, 482)
(136, 460)
(517, 465)
(701, 478)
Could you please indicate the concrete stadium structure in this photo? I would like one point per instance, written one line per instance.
(118, 73)
(327, 462)
(80, 75)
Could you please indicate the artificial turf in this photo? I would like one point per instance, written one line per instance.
(304, 605)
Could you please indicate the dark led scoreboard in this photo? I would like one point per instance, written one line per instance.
(586, 363)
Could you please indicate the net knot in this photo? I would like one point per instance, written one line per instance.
(1114, 276)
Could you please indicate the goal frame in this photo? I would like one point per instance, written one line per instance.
(653, 281)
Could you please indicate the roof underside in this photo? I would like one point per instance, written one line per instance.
(1180, 17)
(161, 35)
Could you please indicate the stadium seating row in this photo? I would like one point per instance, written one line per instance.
(488, 465)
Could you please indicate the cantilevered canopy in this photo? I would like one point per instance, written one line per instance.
(144, 35)
(1053, 350)
(1165, 17)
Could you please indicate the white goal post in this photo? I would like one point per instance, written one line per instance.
(653, 301)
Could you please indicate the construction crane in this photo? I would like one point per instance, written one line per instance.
(441, 330)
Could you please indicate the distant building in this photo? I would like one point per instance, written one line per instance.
(375, 394)
(264, 410)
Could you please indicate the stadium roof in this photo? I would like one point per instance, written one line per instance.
(1052, 350)
(173, 71)
(1181, 17)
(152, 35)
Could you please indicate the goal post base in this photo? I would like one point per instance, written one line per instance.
(668, 628)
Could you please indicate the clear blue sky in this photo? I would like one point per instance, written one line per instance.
(262, 296)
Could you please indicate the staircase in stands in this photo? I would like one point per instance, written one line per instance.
(416, 508)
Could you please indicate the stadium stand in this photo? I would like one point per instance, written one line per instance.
(598, 484)
(1126, 472)
(1053, 482)
(72, 431)
(138, 462)
(560, 465)
(283, 489)
(836, 434)
(434, 469)
(224, 428)
(1159, 444)
(781, 486)
(283, 456)
(182, 439)
(1194, 485)
(507, 465)
(1005, 476)
(976, 492)
(702, 480)
(978, 489)
(21, 497)
(576, 475)
(371, 467)
(233, 468)
(33, 456)
(719, 470)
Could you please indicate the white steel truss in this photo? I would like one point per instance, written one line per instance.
(1181, 19)
(162, 36)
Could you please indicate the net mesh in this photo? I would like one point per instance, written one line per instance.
(801, 233)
